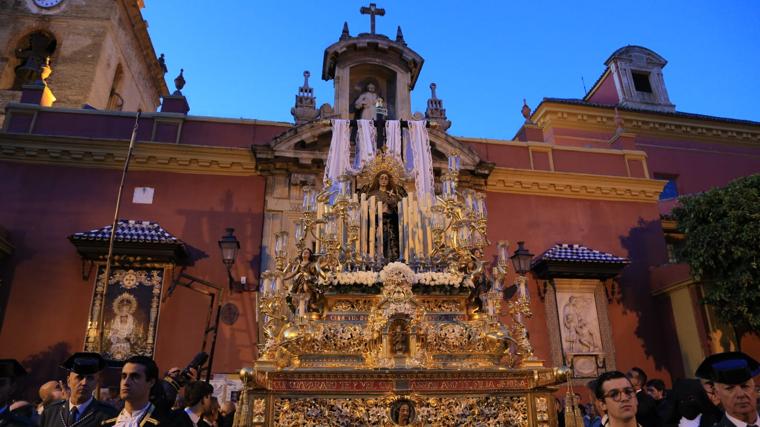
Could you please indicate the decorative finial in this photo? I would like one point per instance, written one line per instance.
(435, 111)
(305, 109)
(526, 111)
(372, 10)
(345, 35)
(400, 36)
(618, 122)
(179, 82)
(162, 63)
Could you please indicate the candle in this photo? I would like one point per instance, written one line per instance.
(400, 231)
(405, 227)
(363, 225)
(380, 250)
(372, 220)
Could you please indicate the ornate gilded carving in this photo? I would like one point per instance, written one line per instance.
(339, 337)
(387, 411)
(353, 305)
(441, 305)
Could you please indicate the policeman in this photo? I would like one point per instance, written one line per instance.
(81, 409)
(732, 373)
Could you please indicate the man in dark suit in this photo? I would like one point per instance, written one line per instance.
(198, 399)
(10, 370)
(81, 409)
(732, 373)
(646, 415)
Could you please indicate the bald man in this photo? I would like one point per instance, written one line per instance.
(51, 391)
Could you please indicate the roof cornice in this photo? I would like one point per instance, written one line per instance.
(110, 154)
(574, 185)
(551, 114)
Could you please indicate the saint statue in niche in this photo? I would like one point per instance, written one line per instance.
(366, 103)
(399, 337)
(388, 192)
(305, 274)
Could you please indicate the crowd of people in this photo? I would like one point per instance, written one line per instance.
(724, 394)
(143, 398)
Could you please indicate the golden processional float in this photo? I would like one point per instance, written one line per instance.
(388, 314)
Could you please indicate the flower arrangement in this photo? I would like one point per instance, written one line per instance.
(399, 272)
(435, 278)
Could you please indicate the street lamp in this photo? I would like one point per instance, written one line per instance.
(230, 246)
(521, 259)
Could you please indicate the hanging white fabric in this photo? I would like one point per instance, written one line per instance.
(366, 136)
(423, 159)
(338, 157)
(393, 138)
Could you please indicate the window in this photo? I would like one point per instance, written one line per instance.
(670, 191)
(641, 81)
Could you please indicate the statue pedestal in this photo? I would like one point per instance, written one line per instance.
(506, 397)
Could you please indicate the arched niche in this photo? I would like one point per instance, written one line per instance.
(32, 53)
(384, 79)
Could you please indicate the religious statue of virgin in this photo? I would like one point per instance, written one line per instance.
(388, 192)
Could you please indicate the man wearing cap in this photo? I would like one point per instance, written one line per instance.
(10, 369)
(732, 373)
(80, 409)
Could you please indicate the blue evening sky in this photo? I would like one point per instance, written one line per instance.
(246, 58)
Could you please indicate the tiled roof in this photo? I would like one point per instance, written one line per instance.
(574, 101)
(129, 231)
(569, 252)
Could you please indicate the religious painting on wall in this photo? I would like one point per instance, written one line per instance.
(579, 330)
(131, 305)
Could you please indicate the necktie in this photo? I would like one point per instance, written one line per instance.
(73, 415)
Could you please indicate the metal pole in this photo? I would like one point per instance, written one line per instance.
(109, 257)
(216, 332)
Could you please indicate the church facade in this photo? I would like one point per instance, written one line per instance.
(587, 184)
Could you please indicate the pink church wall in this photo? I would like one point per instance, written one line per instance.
(41, 210)
(606, 93)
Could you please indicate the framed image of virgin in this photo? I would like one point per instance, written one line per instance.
(130, 302)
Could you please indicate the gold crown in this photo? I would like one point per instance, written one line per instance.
(125, 297)
(382, 163)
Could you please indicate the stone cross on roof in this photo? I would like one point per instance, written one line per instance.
(372, 10)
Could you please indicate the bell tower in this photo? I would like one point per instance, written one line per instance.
(371, 68)
(94, 54)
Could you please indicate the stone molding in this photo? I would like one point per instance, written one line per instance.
(110, 154)
(559, 115)
(574, 185)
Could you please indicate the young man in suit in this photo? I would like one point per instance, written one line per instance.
(139, 377)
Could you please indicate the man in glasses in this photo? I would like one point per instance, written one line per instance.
(617, 397)
(732, 374)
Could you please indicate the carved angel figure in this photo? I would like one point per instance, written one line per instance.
(305, 274)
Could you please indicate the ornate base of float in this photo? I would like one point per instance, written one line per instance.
(508, 397)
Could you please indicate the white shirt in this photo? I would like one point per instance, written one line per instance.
(125, 419)
(193, 417)
(80, 408)
(685, 422)
(739, 423)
